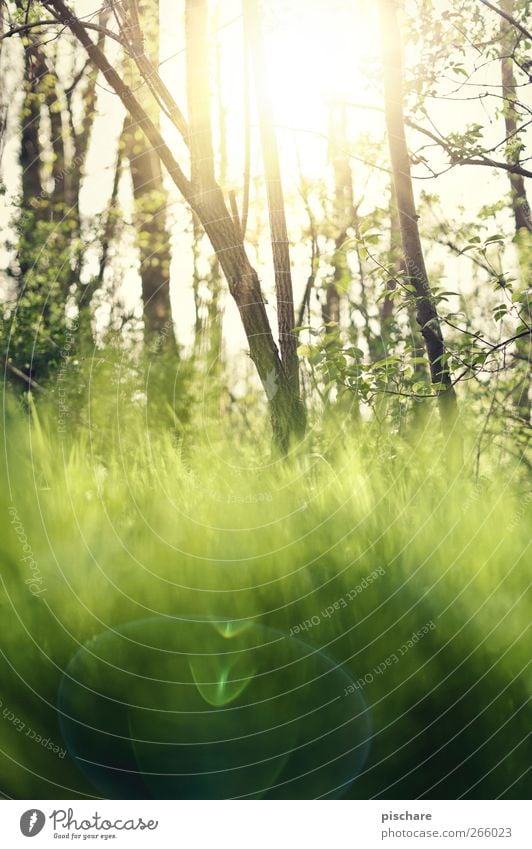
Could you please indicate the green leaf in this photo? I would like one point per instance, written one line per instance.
(499, 312)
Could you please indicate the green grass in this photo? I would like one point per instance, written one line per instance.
(127, 523)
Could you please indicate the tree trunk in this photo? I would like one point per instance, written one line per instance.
(274, 189)
(397, 263)
(426, 313)
(343, 216)
(30, 148)
(152, 237)
(520, 205)
(288, 418)
(150, 197)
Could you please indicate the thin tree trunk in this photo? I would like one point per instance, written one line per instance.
(426, 313)
(397, 263)
(421, 373)
(150, 197)
(71, 177)
(30, 148)
(520, 205)
(38, 286)
(343, 217)
(153, 239)
(274, 188)
(110, 221)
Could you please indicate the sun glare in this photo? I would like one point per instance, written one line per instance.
(318, 54)
(317, 57)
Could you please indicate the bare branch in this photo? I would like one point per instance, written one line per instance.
(28, 381)
(23, 28)
(509, 18)
(65, 17)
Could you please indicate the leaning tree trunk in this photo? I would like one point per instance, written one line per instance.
(287, 414)
(426, 313)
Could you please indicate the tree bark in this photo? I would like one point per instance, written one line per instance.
(343, 216)
(274, 189)
(519, 200)
(426, 313)
(520, 205)
(30, 148)
(150, 196)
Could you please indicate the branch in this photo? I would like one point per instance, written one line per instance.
(459, 252)
(35, 24)
(315, 255)
(491, 345)
(509, 18)
(484, 160)
(110, 218)
(509, 341)
(492, 163)
(65, 17)
(148, 72)
(24, 378)
(442, 142)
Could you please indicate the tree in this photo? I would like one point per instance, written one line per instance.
(519, 200)
(56, 122)
(206, 199)
(274, 191)
(343, 216)
(515, 146)
(150, 196)
(416, 273)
